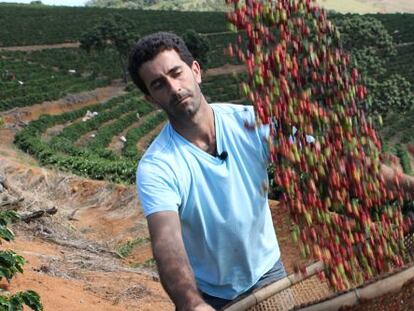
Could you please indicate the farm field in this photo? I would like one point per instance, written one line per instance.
(71, 136)
(46, 25)
(368, 6)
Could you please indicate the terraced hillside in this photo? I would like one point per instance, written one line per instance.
(28, 78)
(67, 112)
(28, 25)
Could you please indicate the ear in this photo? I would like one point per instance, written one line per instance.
(196, 69)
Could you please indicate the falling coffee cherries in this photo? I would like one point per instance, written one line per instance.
(301, 83)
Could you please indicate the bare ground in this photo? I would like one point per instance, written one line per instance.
(72, 256)
(73, 259)
(29, 48)
(116, 144)
(68, 103)
(84, 140)
(73, 253)
(226, 69)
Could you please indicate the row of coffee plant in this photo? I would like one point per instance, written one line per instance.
(366, 38)
(400, 26)
(402, 62)
(223, 88)
(94, 159)
(107, 124)
(28, 25)
(218, 42)
(130, 149)
(31, 78)
(68, 59)
(400, 127)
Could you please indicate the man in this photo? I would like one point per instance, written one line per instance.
(201, 185)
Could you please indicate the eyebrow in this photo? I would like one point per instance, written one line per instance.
(161, 78)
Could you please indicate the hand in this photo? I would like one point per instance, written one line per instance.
(406, 184)
(200, 307)
(393, 177)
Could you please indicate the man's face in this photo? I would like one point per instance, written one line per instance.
(172, 84)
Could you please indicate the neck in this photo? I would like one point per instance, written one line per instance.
(200, 129)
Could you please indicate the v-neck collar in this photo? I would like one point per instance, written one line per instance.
(198, 151)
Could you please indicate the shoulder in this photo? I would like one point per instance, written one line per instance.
(228, 108)
(164, 160)
(161, 147)
(159, 156)
(238, 112)
(157, 181)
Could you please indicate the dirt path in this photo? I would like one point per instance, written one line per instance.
(84, 140)
(116, 144)
(56, 130)
(67, 103)
(226, 69)
(29, 48)
(16, 118)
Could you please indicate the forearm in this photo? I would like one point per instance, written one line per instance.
(173, 265)
(176, 275)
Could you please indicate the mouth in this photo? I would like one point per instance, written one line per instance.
(182, 99)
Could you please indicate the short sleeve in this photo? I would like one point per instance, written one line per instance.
(157, 188)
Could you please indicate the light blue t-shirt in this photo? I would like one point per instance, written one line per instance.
(226, 222)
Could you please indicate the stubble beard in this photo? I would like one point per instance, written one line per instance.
(184, 114)
(191, 107)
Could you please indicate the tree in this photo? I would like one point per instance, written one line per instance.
(116, 33)
(198, 45)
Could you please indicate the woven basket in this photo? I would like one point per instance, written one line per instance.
(392, 291)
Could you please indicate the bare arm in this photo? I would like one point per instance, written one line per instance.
(174, 268)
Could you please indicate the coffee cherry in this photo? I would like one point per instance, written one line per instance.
(298, 76)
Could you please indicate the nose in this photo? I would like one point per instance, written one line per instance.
(175, 86)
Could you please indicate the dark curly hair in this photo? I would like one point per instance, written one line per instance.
(150, 46)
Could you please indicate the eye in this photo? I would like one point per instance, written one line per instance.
(177, 73)
(157, 85)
